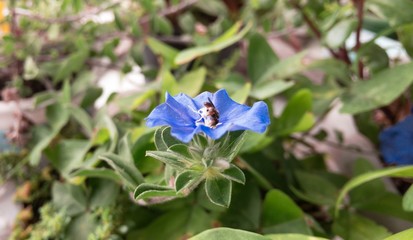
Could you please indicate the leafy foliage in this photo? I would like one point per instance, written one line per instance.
(99, 173)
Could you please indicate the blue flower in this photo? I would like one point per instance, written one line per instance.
(396, 142)
(188, 116)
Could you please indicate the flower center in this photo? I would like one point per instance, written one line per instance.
(208, 117)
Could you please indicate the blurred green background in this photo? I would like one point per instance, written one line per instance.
(77, 79)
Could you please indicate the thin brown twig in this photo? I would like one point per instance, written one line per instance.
(360, 7)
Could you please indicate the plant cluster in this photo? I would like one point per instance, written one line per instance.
(161, 167)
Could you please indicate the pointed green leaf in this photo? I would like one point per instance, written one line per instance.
(408, 200)
(382, 89)
(266, 89)
(57, 116)
(228, 234)
(261, 57)
(295, 111)
(147, 191)
(279, 208)
(235, 174)
(231, 144)
(130, 175)
(187, 181)
(69, 197)
(338, 34)
(191, 83)
(82, 117)
(167, 52)
(219, 191)
(170, 158)
(363, 178)
(97, 173)
(241, 94)
(404, 235)
(227, 39)
(293, 236)
(353, 227)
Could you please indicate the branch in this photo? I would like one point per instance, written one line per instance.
(360, 6)
(66, 19)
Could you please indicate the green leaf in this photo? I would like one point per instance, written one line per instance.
(169, 158)
(285, 208)
(405, 235)
(167, 52)
(408, 199)
(231, 144)
(387, 204)
(147, 191)
(405, 34)
(396, 12)
(168, 83)
(118, 21)
(295, 112)
(225, 40)
(69, 197)
(164, 139)
(30, 69)
(292, 236)
(228, 234)
(68, 155)
(126, 170)
(57, 116)
(316, 189)
(266, 89)
(241, 94)
(219, 191)
(338, 34)
(370, 191)
(103, 192)
(361, 179)
(140, 99)
(90, 96)
(374, 57)
(235, 174)
(191, 83)
(161, 25)
(260, 57)
(382, 89)
(113, 132)
(82, 117)
(243, 212)
(354, 227)
(98, 173)
(81, 226)
(43, 97)
(74, 63)
(176, 224)
(187, 181)
(286, 68)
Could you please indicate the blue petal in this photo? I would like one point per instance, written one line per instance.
(218, 132)
(184, 134)
(190, 105)
(227, 107)
(170, 113)
(255, 119)
(203, 98)
(396, 142)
